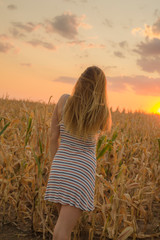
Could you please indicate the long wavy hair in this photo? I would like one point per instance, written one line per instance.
(86, 110)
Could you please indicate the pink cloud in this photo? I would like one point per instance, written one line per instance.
(5, 45)
(150, 31)
(141, 85)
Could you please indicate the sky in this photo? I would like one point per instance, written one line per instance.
(45, 45)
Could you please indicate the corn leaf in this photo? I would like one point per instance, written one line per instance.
(5, 127)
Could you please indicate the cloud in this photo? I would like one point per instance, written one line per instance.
(83, 44)
(141, 85)
(26, 64)
(150, 64)
(119, 54)
(157, 12)
(5, 46)
(22, 30)
(66, 25)
(77, 42)
(109, 69)
(156, 27)
(12, 7)
(149, 31)
(65, 79)
(16, 33)
(149, 48)
(94, 45)
(36, 42)
(137, 30)
(108, 23)
(123, 44)
(149, 52)
(27, 27)
(4, 37)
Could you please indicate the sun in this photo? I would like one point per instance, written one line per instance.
(156, 108)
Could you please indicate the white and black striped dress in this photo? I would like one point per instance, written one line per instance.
(72, 176)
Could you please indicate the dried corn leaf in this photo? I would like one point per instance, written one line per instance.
(125, 233)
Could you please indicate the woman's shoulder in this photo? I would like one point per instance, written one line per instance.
(63, 99)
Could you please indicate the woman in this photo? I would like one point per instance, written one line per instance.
(77, 120)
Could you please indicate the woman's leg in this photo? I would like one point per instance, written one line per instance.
(58, 206)
(68, 218)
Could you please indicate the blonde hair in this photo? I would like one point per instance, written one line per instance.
(86, 110)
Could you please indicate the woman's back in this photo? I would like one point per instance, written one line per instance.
(72, 175)
(66, 138)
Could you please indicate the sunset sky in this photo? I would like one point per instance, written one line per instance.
(46, 44)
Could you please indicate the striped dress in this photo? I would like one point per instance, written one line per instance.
(72, 175)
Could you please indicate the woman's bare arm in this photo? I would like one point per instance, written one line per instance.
(55, 133)
(55, 128)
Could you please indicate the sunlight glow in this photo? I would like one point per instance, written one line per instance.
(156, 108)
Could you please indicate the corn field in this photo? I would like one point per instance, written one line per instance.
(127, 194)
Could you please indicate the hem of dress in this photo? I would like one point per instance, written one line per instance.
(70, 204)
